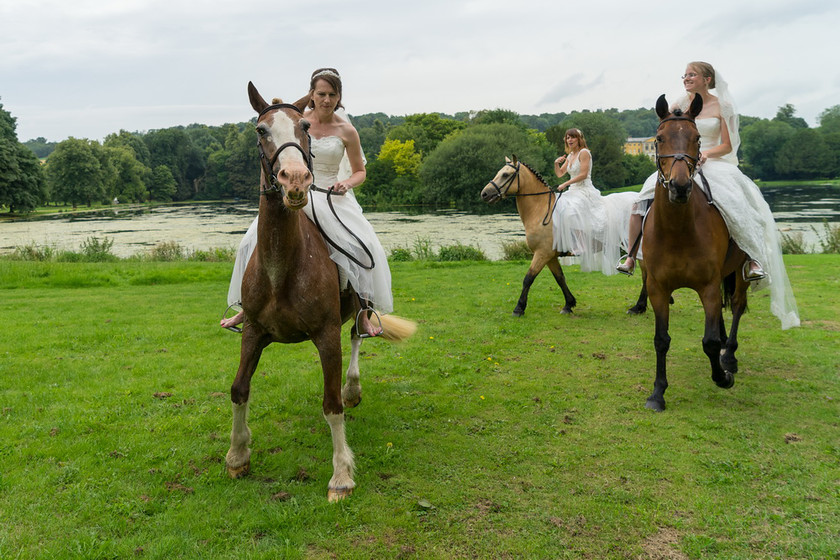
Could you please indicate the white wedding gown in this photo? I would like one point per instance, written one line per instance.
(329, 164)
(748, 217)
(591, 226)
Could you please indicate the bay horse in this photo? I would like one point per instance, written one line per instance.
(290, 291)
(687, 245)
(535, 202)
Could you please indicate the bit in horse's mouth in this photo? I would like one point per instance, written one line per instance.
(293, 204)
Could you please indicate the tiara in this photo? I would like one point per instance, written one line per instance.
(326, 73)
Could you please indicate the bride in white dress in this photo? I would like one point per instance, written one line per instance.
(739, 200)
(589, 225)
(338, 164)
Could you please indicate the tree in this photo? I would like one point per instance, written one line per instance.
(426, 129)
(830, 120)
(173, 148)
(22, 182)
(786, 114)
(405, 159)
(162, 184)
(454, 173)
(760, 142)
(637, 168)
(74, 173)
(804, 156)
(134, 142)
(130, 175)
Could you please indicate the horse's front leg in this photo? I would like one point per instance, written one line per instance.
(662, 343)
(711, 337)
(351, 393)
(533, 270)
(557, 272)
(238, 458)
(329, 348)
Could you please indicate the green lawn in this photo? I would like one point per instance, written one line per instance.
(484, 436)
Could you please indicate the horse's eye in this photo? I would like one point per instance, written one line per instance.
(658, 138)
(304, 125)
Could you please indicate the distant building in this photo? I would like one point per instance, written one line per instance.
(644, 145)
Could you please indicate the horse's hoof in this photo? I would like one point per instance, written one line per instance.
(566, 311)
(728, 380)
(518, 312)
(337, 494)
(239, 472)
(655, 405)
(353, 403)
(636, 310)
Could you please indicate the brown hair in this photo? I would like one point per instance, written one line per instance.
(575, 133)
(329, 75)
(706, 70)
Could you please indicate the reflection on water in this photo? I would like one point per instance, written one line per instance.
(205, 226)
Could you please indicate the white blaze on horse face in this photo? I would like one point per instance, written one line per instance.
(282, 130)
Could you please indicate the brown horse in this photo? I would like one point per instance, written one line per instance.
(290, 292)
(535, 202)
(687, 245)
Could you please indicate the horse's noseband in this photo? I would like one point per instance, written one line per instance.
(268, 163)
(689, 160)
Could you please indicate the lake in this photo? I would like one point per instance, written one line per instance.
(206, 226)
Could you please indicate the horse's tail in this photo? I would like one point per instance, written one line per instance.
(396, 329)
(728, 289)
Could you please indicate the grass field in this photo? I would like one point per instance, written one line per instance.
(484, 436)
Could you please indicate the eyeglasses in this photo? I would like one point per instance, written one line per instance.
(689, 75)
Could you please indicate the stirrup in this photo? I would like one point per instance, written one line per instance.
(624, 269)
(378, 319)
(236, 307)
(753, 275)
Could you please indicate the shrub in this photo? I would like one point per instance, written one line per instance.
(423, 249)
(400, 254)
(166, 251)
(216, 254)
(98, 250)
(831, 243)
(33, 253)
(793, 244)
(516, 251)
(461, 252)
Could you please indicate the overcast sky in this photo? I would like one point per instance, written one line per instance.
(87, 68)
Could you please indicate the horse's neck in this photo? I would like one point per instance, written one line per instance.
(672, 218)
(534, 205)
(279, 237)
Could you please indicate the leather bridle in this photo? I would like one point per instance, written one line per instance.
(502, 191)
(690, 161)
(267, 163)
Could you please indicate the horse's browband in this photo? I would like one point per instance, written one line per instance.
(280, 106)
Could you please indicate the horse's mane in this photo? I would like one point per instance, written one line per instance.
(535, 172)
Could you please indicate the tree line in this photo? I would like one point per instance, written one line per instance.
(422, 159)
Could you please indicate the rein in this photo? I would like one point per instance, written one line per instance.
(330, 193)
(689, 160)
(508, 182)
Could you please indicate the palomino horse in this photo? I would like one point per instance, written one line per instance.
(535, 202)
(687, 245)
(290, 292)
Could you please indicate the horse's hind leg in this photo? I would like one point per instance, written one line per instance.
(641, 303)
(711, 338)
(238, 458)
(351, 393)
(738, 304)
(557, 271)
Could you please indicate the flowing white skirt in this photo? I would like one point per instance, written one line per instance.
(751, 225)
(593, 227)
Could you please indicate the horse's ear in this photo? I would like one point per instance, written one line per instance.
(507, 160)
(257, 101)
(696, 106)
(303, 102)
(662, 107)
(515, 159)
